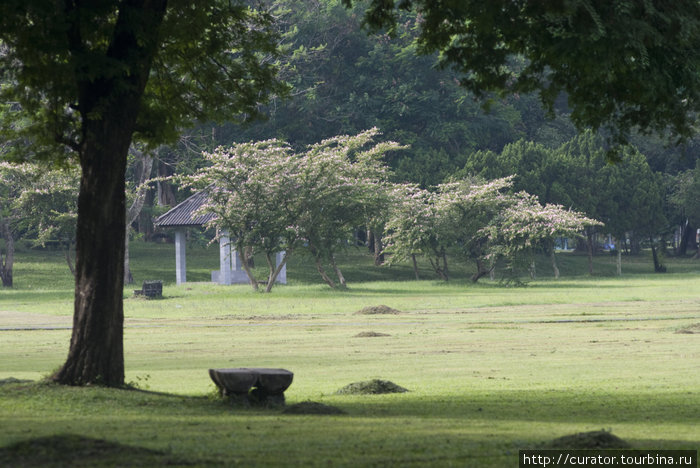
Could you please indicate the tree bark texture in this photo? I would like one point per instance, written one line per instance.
(96, 354)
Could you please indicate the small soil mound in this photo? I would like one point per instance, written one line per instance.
(370, 334)
(312, 407)
(589, 440)
(73, 450)
(690, 329)
(376, 310)
(12, 380)
(371, 387)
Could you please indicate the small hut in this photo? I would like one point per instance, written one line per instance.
(185, 216)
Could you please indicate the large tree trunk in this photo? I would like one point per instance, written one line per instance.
(96, 350)
(7, 263)
(96, 354)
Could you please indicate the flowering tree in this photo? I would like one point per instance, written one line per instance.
(524, 224)
(430, 223)
(414, 228)
(48, 207)
(11, 180)
(482, 221)
(38, 202)
(342, 185)
(468, 206)
(251, 189)
(271, 199)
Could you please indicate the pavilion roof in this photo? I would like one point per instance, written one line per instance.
(185, 214)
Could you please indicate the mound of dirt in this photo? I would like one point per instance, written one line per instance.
(12, 380)
(371, 387)
(588, 440)
(370, 334)
(70, 450)
(376, 310)
(312, 407)
(690, 329)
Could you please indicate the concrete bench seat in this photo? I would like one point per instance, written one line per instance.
(252, 385)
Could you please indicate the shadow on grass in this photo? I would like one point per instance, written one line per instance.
(70, 450)
(476, 429)
(535, 406)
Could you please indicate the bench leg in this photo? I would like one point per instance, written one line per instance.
(259, 397)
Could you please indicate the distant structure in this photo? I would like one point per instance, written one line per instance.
(185, 216)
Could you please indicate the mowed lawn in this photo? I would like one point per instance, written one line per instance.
(490, 369)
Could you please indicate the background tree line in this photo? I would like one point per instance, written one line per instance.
(345, 81)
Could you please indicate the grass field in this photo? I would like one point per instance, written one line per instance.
(489, 369)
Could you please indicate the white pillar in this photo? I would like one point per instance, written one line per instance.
(282, 277)
(224, 258)
(180, 261)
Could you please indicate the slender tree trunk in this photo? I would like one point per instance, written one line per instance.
(444, 265)
(658, 266)
(319, 267)
(275, 270)
(338, 273)
(146, 165)
(378, 249)
(481, 270)
(96, 354)
(589, 249)
(437, 268)
(164, 190)
(619, 262)
(686, 239)
(247, 268)
(415, 266)
(553, 258)
(128, 277)
(7, 263)
(250, 258)
(69, 260)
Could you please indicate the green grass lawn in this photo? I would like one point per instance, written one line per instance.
(490, 369)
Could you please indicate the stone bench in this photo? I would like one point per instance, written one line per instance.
(150, 289)
(252, 385)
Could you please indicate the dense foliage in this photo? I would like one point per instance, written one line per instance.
(611, 59)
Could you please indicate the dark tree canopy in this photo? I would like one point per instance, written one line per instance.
(83, 79)
(624, 65)
(206, 61)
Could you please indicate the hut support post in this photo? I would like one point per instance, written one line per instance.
(180, 261)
